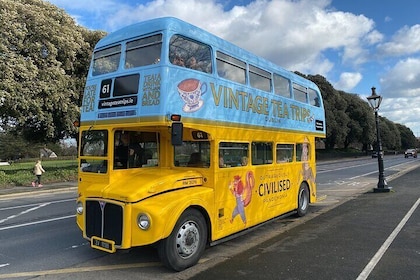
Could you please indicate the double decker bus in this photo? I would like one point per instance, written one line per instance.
(187, 140)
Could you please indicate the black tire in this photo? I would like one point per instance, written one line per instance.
(184, 247)
(303, 200)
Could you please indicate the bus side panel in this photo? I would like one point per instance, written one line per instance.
(250, 195)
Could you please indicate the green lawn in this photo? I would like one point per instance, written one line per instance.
(21, 173)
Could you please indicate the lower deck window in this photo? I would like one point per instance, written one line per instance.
(192, 154)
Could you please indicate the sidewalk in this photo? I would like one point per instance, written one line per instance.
(47, 187)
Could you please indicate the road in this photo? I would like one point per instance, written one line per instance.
(39, 237)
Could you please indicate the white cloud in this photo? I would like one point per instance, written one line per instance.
(293, 34)
(403, 111)
(405, 42)
(348, 81)
(403, 80)
(401, 94)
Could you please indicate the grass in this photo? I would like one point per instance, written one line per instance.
(21, 173)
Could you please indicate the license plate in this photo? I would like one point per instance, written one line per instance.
(102, 244)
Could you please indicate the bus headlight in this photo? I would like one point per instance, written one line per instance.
(79, 208)
(143, 221)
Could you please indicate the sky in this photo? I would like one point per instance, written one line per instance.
(354, 44)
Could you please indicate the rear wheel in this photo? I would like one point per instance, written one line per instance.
(303, 200)
(185, 245)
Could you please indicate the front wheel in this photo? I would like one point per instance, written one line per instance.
(185, 245)
(303, 200)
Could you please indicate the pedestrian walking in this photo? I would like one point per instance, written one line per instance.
(38, 170)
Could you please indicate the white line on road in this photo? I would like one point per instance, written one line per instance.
(341, 168)
(35, 204)
(24, 212)
(374, 261)
(37, 222)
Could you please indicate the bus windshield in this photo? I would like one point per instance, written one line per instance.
(134, 149)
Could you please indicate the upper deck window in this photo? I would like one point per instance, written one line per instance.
(144, 51)
(231, 68)
(106, 61)
(281, 86)
(188, 53)
(259, 78)
(299, 92)
(314, 98)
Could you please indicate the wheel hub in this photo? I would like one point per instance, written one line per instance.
(187, 239)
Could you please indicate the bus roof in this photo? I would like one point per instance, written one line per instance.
(225, 101)
(176, 25)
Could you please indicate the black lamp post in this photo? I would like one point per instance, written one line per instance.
(375, 101)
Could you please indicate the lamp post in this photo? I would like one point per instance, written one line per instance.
(375, 101)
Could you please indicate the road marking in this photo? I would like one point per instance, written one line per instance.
(342, 168)
(374, 261)
(24, 212)
(37, 222)
(36, 204)
(78, 270)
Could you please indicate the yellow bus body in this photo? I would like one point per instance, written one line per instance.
(165, 192)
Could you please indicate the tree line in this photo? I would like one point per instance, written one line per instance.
(44, 59)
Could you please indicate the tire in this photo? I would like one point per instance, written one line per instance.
(184, 247)
(303, 200)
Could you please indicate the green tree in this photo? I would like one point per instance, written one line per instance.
(408, 140)
(362, 124)
(44, 61)
(14, 147)
(335, 112)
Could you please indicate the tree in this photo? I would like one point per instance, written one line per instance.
(14, 147)
(390, 135)
(335, 112)
(44, 61)
(408, 140)
(362, 124)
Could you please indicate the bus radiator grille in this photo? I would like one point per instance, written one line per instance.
(104, 220)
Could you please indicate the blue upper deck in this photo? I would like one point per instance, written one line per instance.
(157, 87)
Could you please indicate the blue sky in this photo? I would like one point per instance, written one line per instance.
(355, 44)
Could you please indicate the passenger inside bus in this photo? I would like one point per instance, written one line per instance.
(178, 60)
(244, 161)
(128, 150)
(221, 161)
(121, 151)
(195, 160)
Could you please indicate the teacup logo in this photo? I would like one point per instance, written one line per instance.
(191, 91)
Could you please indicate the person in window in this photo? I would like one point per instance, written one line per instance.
(178, 60)
(195, 160)
(122, 151)
(221, 161)
(192, 63)
(244, 161)
(136, 154)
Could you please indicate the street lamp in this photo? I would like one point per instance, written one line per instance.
(375, 101)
